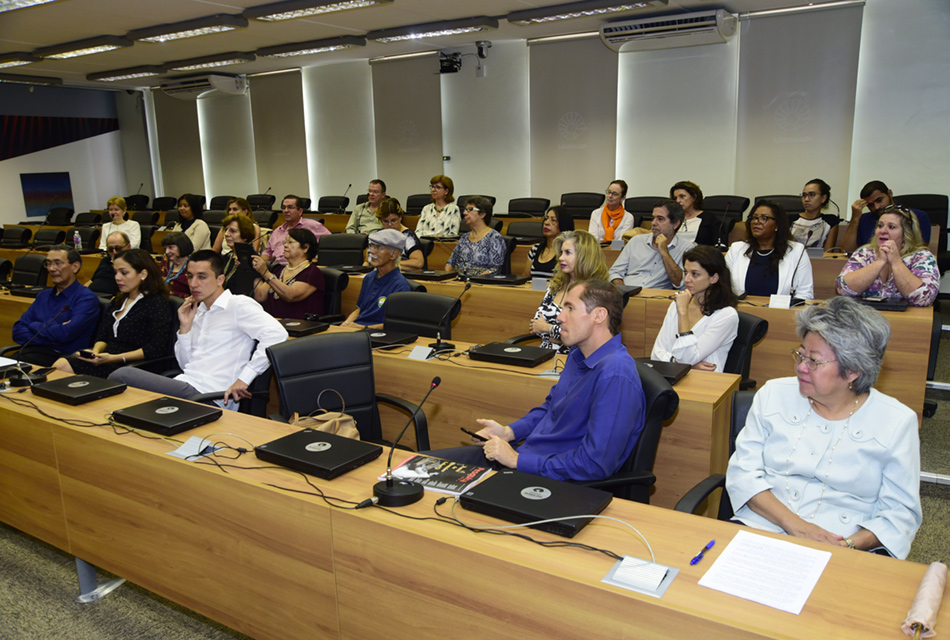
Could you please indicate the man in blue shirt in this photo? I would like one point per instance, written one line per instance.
(73, 328)
(592, 418)
(875, 196)
(385, 247)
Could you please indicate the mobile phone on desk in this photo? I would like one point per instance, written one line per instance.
(474, 435)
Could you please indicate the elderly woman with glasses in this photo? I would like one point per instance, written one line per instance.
(482, 250)
(441, 217)
(896, 264)
(824, 456)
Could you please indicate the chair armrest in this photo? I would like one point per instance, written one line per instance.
(640, 478)
(690, 502)
(421, 423)
(162, 366)
(524, 337)
(746, 384)
(207, 398)
(13, 348)
(333, 318)
(276, 417)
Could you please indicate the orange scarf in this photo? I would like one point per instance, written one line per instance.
(610, 219)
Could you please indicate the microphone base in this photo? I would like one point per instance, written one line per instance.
(438, 345)
(17, 379)
(400, 494)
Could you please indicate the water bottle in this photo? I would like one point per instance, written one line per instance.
(77, 240)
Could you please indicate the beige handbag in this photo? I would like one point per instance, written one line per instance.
(338, 422)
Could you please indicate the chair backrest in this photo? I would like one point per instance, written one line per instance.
(791, 203)
(171, 217)
(734, 205)
(29, 270)
(363, 197)
(334, 283)
(421, 313)
(5, 268)
(343, 362)
(751, 331)
(89, 236)
(220, 203)
(511, 243)
(148, 230)
(416, 202)
(342, 249)
(87, 219)
(214, 216)
(461, 200)
(145, 217)
(16, 237)
(414, 285)
(526, 229)
(137, 202)
(935, 205)
(59, 216)
(332, 204)
(427, 247)
(579, 204)
(642, 206)
(47, 237)
(741, 403)
(265, 218)
(261, 201)
(165, 203)
(529, 206)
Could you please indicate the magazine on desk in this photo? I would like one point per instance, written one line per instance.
(444, 476)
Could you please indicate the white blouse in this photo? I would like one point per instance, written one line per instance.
(710, 341)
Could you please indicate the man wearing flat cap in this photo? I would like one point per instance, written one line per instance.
(385, 247)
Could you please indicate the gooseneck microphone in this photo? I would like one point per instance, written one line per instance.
(23, 378)
(438, 345)
(392, 493)
(140, 188)
(796, 301)
(722, 246)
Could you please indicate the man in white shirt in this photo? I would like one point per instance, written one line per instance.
(654, 261)
(215, 339)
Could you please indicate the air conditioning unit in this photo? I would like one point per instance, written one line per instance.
(669, 32)
(199, 86)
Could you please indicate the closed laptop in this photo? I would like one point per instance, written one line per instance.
(299, 328)
(672, 371)
(380, 339)
(509, 279)
(429, 274)
(167, 416)
(77, 389)
(325, 455)
(518, 355)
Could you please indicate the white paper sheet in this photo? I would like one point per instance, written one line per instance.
(775, 573)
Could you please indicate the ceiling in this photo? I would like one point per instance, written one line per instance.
(62, 21)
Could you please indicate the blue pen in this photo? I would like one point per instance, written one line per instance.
(699, 556)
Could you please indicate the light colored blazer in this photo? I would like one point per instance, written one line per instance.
(803, 285)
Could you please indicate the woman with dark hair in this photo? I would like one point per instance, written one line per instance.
(897, 263)
(814, 228)
(390, 215)
(701, 323)
(441, 218)
(769, 261)
(543, 257)
(238, 207)
(190, 222)
(139, 324)
(609, 222)
(174, 266)
(294, 290)
(482, 250)
(239, 277)
(696, 227)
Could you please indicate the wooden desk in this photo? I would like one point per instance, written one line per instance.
(273, 564)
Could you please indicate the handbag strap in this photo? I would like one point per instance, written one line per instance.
(320, 407)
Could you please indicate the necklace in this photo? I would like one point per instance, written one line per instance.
(824, 483)
(286, 271)
(765, 253)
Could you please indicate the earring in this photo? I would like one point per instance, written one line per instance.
(143, 278)
(851, 386)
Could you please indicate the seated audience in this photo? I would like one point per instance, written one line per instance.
(482, 250)
(138, 325)
(292, 209)
(63, 318)
(103, 279)
(118, 222)
(190, 210)
(440, 218)
(385, 246)
(390, 217)
(366, 217)
(826, 457)
(592, 418)
(814, 228)
(769, 261)
(608, 223)
(215, 345)
(897, 263)
(696, 227)
(296, 289)
(581, 259)
(701, 323)
(653, 260)
(543, 257)
(875, 196)
(238, 207)
(240, 278)
(174, 265)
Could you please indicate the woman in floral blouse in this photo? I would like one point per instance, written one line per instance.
(896, 264)
(482, 250)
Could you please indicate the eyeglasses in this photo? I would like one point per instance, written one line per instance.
(111, 249)
(615, 194)
(811, 363)
(436, 186)
(809, 194)
(472, 209)
(54, 263)
(762, 219)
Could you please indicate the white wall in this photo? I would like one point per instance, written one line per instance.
(227, 146)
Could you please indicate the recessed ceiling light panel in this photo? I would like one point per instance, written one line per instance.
(188, 28)
(131, 73)
(85, 47)
(311, 47)
(210, 62)
(303, 8)
(433, 29)
(573, 10)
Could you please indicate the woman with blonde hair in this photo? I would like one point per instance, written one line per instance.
(580, 259)
(118, 222)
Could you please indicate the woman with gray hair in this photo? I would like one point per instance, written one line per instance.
(824, 456)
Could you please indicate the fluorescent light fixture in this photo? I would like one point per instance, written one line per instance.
(10, 5)
(21, 79)
(303, 8)
(83, 47)
(130, 73)
(16, 59)
(188, 28)
(433, 29)
(209, 62)
(563, 37)
(809, 7)
(311, 47)
(573, 10)
(403, 56)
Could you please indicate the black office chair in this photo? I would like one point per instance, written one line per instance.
(214, 230)
(165, 203)
(88, 219)
(363, 197)
(342, 362)
(266, 219)
(416, 202)
(936, 330)
(29, 271)
(641, 207)
(46, 238)
(171, 217)
(695, 497)
(60, 216)
(6, 267)
(144, 217)
(421, 313)
(137, 202)
(16, 238)
(342, 249)
(580, 204)
(526, 231)
(791, 203)
(261, 201)
(414, 285)
(220, 203)
(427, 247)
(727, 210)
(148, 230)
(936, 206)
(88, 236)
(528, 207)
(333, 204)
(214, 216)
(635, 477)
(752, 330)
(511, 243)
(334, 283)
